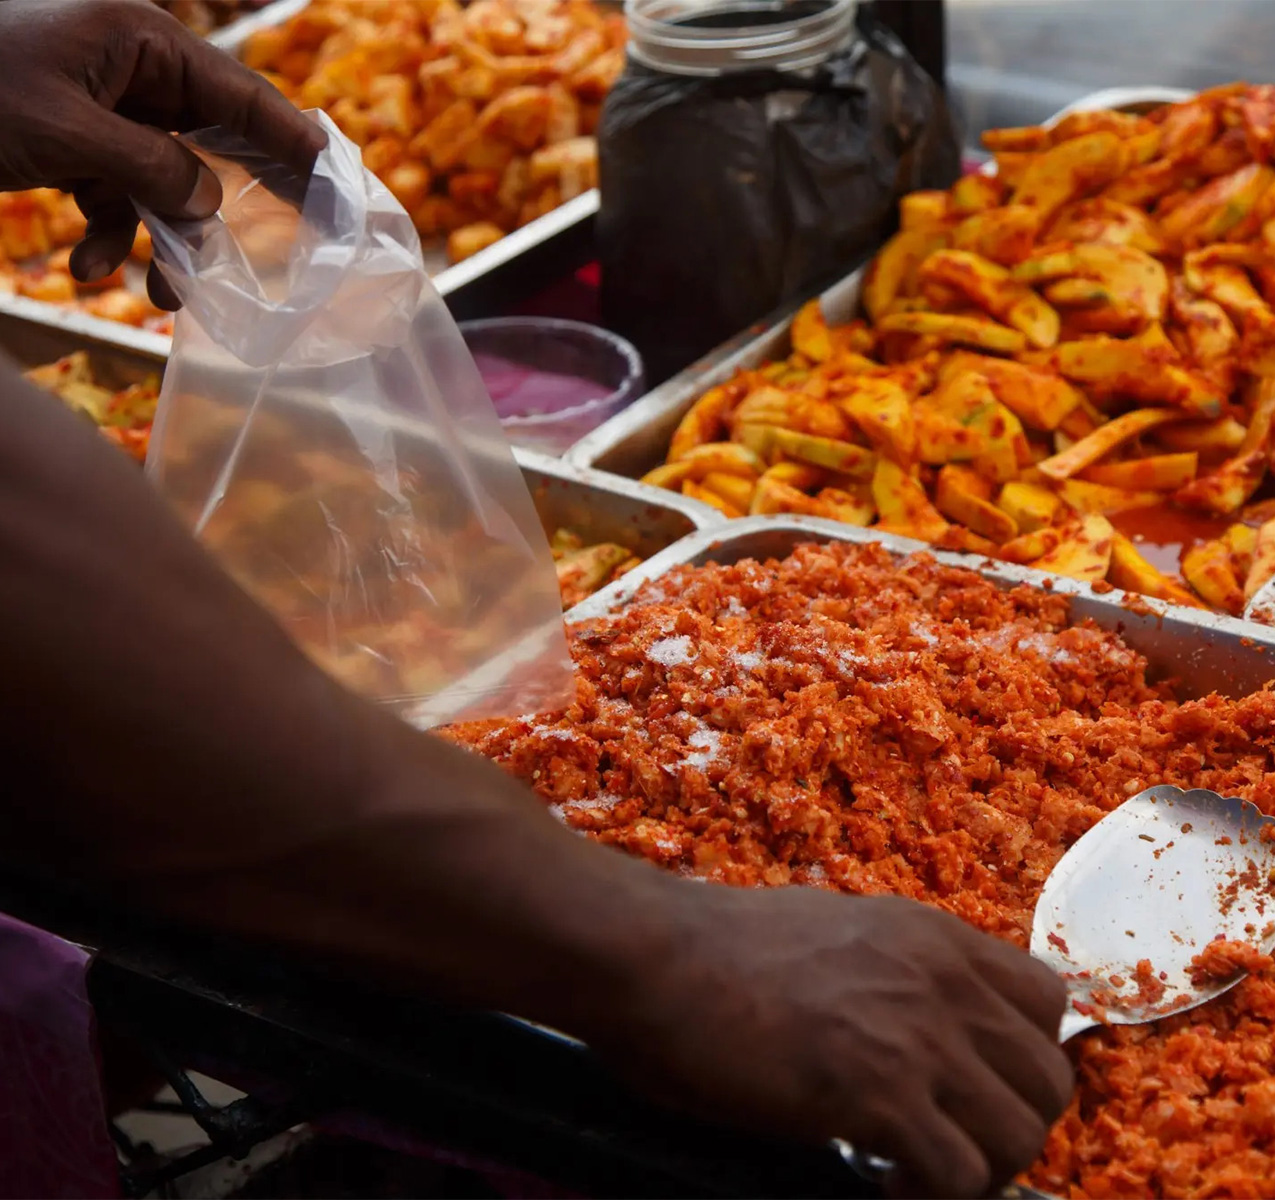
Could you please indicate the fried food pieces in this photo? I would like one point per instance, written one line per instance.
(479, 118)
(38, 229)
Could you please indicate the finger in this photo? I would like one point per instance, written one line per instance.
(1008, 1131)
(150, 166)
(1028, 1060)
(1029, 985)
(221, 91)
(160, 290)
(934, 1156)
(107, 240)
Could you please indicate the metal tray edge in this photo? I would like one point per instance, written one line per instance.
(231, 37)
(700, 515)
(1130, 97)
(94, 330)
(500, 254)
(672, 398)
(690, 547)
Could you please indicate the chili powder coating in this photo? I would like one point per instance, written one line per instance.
(839, 721)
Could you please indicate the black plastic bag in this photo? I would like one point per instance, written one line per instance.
(724, 197)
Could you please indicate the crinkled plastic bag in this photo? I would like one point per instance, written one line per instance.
(324, 430)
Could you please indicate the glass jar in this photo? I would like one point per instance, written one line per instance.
(690, 37)
(751, 150)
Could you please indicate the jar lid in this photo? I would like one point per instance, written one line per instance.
(717, 37)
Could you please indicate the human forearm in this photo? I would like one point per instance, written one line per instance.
(454, 879)
(180, 736)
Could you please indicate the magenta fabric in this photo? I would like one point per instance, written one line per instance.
(53, 1134)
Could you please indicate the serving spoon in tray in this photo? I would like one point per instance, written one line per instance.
(1154, 882)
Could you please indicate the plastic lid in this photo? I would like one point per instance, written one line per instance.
(716, 37)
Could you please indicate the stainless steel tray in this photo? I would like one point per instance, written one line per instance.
(1200, 650)
(1205, 652)
(603, 508)
(38, 317)
(636, 439)
(522, 262)
(490, 282)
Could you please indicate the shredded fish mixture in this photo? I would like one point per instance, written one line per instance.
(1222, 959)
(840, 721)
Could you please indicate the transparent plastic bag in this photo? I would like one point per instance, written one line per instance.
(323, 429)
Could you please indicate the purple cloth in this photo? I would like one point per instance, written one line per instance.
(53, 1133)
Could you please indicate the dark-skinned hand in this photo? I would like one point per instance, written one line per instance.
(875, 1019)
(93, 91)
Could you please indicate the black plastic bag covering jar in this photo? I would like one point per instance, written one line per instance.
(751, 151)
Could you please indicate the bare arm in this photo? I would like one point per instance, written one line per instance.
(175, 731)
(185, 736)
(179, 733)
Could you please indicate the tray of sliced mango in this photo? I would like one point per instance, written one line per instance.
(1053, 362)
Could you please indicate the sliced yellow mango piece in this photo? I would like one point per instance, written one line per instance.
(1084, 551)
(903, 505)
(1030, 506)
(1155, 473)
(1068, 170)
(1086, 497)
(965, 496)
(1103, 440)
(1207, 568)
(950, 327)
(1129, 570)
(1262, 568)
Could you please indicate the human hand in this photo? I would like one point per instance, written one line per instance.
(874, 1019)
(93, 90)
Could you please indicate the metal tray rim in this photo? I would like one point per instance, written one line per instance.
(701, 516)
(231, 37)
(95, 330)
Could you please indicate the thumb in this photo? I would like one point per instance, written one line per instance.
(150, 166)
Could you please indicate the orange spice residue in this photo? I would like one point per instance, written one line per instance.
(836, 721)
(1222, 959)
(1150, 982)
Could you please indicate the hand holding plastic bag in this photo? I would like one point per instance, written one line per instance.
(324, 430)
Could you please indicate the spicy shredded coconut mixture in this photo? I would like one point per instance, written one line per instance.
(838, 721)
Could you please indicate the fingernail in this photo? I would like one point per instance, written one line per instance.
(205, 199)
(95, 269)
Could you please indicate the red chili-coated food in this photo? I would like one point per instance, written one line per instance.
(838, 721)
